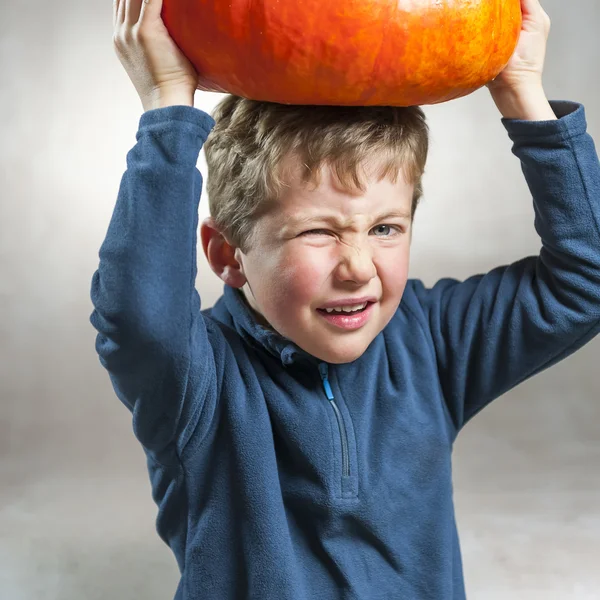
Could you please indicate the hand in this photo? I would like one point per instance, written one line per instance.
(160, 72)
(518, 90)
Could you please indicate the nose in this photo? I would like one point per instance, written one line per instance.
(356, 264)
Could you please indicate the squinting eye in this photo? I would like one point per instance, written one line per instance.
(316, 232)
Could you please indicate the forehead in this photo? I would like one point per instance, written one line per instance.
(326, 191)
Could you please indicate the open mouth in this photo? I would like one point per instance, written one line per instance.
(346, 310)
(348, 318)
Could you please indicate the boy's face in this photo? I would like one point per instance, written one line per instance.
(319, 248)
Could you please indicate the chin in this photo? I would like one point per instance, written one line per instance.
(339, 356)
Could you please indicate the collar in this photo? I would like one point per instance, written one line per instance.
(254, 333)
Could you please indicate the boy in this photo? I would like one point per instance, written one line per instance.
(299, 433)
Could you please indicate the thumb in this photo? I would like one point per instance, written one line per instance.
(531, 8)
(151, 10)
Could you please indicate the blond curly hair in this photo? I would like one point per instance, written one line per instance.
(251, 141)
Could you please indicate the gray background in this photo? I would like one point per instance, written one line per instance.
(76, 514)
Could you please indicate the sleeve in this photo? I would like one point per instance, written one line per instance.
(493, 331)
(152, 338)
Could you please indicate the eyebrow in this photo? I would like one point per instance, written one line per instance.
(295, 222)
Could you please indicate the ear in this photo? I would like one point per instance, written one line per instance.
(221, 255)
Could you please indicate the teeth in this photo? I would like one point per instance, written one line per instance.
(347, 309)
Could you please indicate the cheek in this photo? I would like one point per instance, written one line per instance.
(301, 276)
(296, 278)
(393, 272)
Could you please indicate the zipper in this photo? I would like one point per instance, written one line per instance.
(324, 371)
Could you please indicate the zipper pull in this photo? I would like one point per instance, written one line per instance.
(324, 370)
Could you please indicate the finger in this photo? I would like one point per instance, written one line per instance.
(535, 18)
(132, 12)
(531, 8)
(119, 12)
(151, 10)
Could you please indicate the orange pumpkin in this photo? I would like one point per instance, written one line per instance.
(345, 52)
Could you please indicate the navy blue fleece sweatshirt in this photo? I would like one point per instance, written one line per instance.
(281, 478)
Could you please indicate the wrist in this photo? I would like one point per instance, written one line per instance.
(163, 97)
(525, 104)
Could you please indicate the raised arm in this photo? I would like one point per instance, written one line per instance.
(152, 338)
(493, 331)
